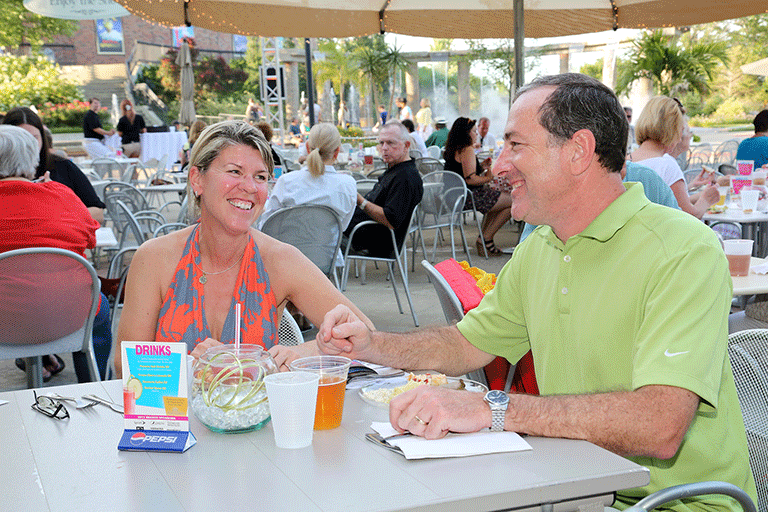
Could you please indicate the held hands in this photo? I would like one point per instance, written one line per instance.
(705, 177)
(204, 345)
(343, 333)
(431, 412)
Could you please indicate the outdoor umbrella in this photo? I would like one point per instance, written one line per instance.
(187, 110)
(759, 68)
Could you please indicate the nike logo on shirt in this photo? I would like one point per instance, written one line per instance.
(673, 354)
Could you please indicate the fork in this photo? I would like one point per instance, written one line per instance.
(112, 405)
(79, 402)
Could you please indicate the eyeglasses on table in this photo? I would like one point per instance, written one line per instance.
(50, 407)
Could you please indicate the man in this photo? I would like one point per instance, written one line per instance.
(485, 139)
(94, 133)
(631, 135)
(756, 147)
(392, 200)
(623, 302)
(295, 131)
(440, 135)
(417, 141)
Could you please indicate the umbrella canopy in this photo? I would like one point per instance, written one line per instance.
(187, 114)
(759, 68)
(76, 10)
(469, 19)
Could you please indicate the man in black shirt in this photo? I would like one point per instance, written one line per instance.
(392, 200)
(94, 133)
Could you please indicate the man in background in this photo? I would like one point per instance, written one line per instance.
(485, 139)
(440, 135)
(756, 147)
(93, 132)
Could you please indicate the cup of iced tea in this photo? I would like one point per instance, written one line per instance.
(330, 392)
(739, 254)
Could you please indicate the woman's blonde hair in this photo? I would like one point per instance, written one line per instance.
(660, 121)
(323, 140)
(426, 102)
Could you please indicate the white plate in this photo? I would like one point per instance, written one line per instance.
(453, 382)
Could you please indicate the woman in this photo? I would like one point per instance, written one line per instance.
(658, 131)
(317, 182)
(405, 110)
(459, 154)
(130, 127)
(194, 132)
(46, 214)
(266, 130)
(184, 286)
(61, 170)
(424, 119)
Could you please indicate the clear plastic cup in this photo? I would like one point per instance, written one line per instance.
(723, 193)
(739, 254)
(292, 398)
(749, 200)
(332, 371)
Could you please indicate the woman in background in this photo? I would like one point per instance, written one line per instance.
(130, 127)
(459, 154)
(424, 119)
(194, 132)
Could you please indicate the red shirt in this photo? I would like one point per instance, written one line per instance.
(44, 215)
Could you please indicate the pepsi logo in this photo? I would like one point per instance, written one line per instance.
(138, 438)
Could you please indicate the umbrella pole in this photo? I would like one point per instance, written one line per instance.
(519, 44)
(310, 83)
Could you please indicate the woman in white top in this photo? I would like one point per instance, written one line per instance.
(658, 131)
(318, 182)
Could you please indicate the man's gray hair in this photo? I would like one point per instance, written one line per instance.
(581, 102)
(402, 131)
(19, 153)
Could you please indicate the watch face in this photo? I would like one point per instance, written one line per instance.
(496, 397)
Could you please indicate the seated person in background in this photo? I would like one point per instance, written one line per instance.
(130, 127)
(46, 214)
(61, 170)
(492, 203)
(623, 303)
(194, 132)
(484, 138)
(93, 133)
(183, 287)
(440, 135)
(659, 129)
(417, 141)
(392, 200)
(382, 119)
(266, 129)
(295, 129)
(756, 147)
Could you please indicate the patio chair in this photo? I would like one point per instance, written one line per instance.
(428, 165)
(365, 185)
(137, 204)
(136, 174)
(288, 332)
(313, 229)
(399, 255)
(725, 153)
(748, 352)
(435, 152)
(50, 298)
(679, 492)
(118, 269)
(134, 229)
(441, 206)
(107, 168)
(700, 155)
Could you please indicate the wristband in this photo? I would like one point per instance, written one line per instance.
(362, 205)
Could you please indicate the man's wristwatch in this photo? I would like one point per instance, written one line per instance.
(498, 400)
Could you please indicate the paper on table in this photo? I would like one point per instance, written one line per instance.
(453, 445)
(760, 269)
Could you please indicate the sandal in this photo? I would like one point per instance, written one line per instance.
(49, 368)
(493, 251)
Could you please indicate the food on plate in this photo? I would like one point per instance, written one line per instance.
(385, 395)
(432, 379)
(717, 208)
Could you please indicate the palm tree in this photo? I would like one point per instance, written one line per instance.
(394, 62)
(673, 67)
(372, 70)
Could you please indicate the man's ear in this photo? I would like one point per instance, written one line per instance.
(582, 151)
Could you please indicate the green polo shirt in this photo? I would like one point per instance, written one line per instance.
(640, 297)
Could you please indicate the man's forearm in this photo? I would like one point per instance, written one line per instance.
(651, 421)
(374, 211)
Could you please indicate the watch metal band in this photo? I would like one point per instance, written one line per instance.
(497, 420)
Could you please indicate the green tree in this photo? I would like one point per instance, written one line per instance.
(21, 26)
(500, 62)
(394, 62)
(674, 65)
(33, 81)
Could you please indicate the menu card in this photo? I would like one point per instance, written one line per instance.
(745, 167)
(739, 182)
(155, 397)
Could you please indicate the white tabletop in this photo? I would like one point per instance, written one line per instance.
(74, 464)
(157, 144)
(105, 237)
(751, 284)
(168, 187)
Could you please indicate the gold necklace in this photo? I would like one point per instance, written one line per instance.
(203, 279)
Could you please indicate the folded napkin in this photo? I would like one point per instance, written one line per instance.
(453, 445)
(760, 269)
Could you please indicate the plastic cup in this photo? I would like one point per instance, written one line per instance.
(723, 193)
(292, 397)
(739, 254)
(190, 373)
(749, 200)
(332, 371)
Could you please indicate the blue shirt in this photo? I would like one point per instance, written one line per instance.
(654, 187)
(754, 148)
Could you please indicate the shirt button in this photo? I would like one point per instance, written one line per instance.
(567, 258)
(565, 291)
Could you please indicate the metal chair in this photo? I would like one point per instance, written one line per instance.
(366, 185)
(679, 492)
(400, 256)
(313, 229)
(428, 165)
(452, 309)
(441, 206)
(700, 155)
(107, 168)
(50, 298)
(137, 174)
(288, 332)
(727, 230)
(434, 152)
(118, 269)
(725, 153)
(748, 352)
(139, 228)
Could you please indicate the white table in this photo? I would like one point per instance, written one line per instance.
(74, 464)
(162, 144)
(753, 226)
(105, 237)
(159, 190)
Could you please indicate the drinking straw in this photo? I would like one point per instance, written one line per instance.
(237, 326)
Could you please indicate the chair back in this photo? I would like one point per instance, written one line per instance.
(434, 152)
(129, 194)
(107, 168)
(453, 191)
(428, 165)
(288, 332)
(49, 300)
(365, 185)
(748, 352)
(700, 155)
(450, 303)
(313, 229)
(725, 153)
(131, 230)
